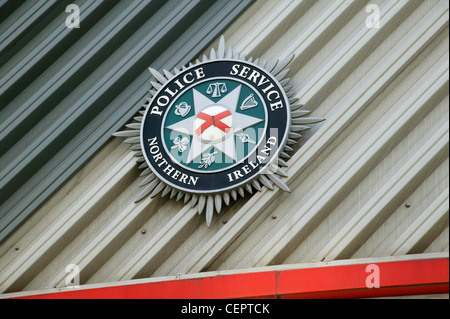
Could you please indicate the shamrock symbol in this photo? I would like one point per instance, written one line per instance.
(180, 143)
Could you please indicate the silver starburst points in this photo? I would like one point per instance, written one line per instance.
(269, 177)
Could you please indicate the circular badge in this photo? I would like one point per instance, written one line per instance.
(217, 129)
(215, 126)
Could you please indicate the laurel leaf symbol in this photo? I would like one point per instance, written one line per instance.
(207, 160)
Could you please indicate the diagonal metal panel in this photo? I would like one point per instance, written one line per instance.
(66, 91)
(370, 181)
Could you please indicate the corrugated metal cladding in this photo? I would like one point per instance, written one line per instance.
(64, 91)
(370, 181)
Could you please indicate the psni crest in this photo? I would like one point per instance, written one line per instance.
(216, 129)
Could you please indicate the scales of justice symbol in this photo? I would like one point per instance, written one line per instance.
(216, 89)
(214, 125)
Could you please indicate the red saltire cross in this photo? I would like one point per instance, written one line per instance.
(214, 120)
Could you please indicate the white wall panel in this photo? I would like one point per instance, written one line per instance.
(370, 181)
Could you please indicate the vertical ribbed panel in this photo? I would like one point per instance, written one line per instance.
(63, 91)
(370, 181)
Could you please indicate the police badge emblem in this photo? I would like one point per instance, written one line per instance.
(217, 128)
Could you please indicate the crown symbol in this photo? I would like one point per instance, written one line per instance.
(248, 103)
(182, 109)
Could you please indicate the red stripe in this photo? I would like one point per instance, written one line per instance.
(349, 281)
(423, 276)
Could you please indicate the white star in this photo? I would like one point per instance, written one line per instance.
(227, 144)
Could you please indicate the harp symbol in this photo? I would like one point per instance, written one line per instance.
(248, 103)
(216, 89)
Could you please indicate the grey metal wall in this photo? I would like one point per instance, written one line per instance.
(369, 182)
(64, 91)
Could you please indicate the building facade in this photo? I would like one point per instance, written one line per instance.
(368, 201)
